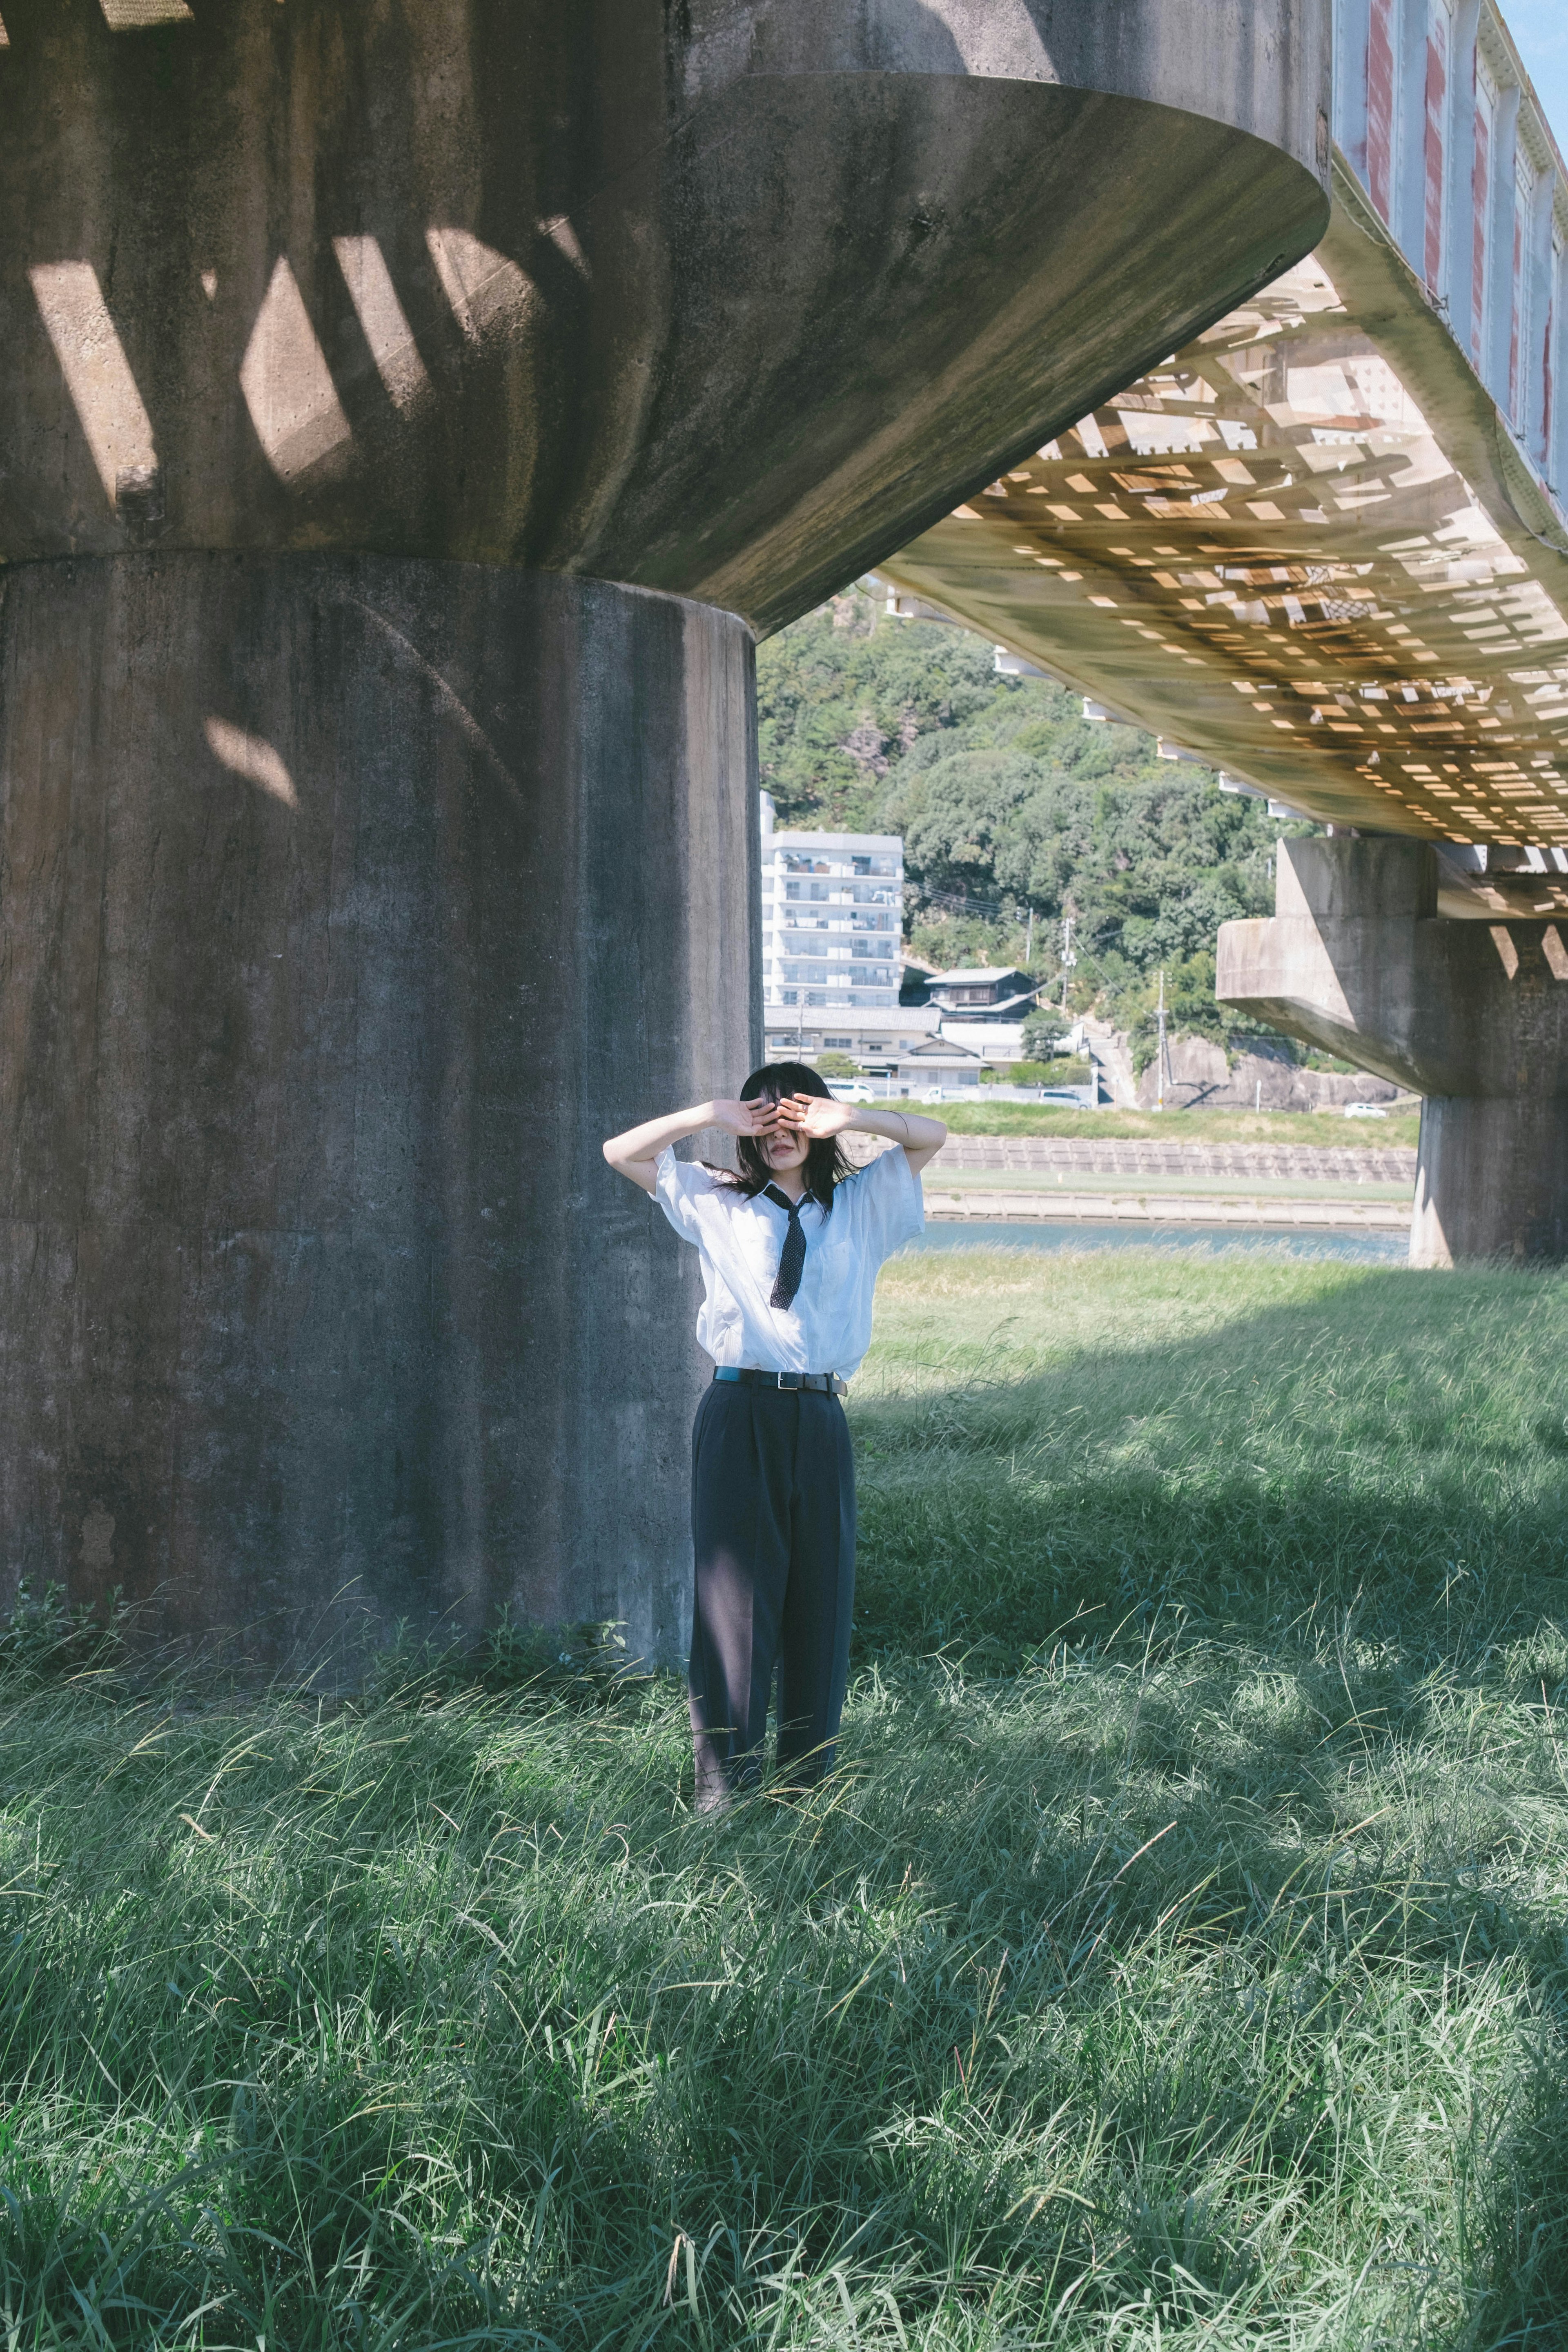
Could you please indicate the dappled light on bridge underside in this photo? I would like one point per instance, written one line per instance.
(110, 408)
(288, 385)
(1262, 549)
(285, 378)
(136, 15)
(383, 321)
(484, 289)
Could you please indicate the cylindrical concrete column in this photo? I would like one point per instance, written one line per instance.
(345, 902)
(1491, 1179)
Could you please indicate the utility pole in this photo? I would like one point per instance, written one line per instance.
(1069, 959)
(1029, 941)
(1160, 1016)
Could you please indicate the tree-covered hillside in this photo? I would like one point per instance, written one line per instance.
(1010, 802)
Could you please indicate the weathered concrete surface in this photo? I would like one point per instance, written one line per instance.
(1493, 1179)
(1473, 1016)
(726, 299)
(317, 1296)
(398, 403)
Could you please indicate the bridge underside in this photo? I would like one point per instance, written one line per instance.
(1308, 550)
(1305, 549)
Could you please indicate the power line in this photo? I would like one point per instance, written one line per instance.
(948, 902)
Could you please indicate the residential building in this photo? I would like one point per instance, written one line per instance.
(833, 917)
(987, 992)
(907, 1050)
(833, 965)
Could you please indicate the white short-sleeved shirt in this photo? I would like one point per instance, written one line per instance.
(828, 1325)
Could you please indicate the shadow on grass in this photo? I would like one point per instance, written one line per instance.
(1196, 1976)
(443, 2027)
(1281, 1571)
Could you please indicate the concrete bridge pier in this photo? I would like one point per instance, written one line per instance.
(1491, 1178)
(317, 1311)
(1472, 1016)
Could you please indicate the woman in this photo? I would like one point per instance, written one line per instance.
(790, 1251)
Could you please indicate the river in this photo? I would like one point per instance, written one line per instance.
(1365, 1248)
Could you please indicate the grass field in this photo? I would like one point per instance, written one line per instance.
(1180, 1958)
(1303, 1129)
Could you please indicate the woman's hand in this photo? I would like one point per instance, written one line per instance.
(635, 1155)
(758, 1118)
(817, 1116)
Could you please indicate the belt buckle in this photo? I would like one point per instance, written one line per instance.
(790, 1381)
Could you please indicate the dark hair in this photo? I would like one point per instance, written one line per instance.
(825, 1163)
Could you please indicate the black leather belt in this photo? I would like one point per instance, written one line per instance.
(819, 1383)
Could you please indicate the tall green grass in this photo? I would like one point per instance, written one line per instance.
(1235, 1440)
(1180, 1956)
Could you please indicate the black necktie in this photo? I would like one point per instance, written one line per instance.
(792, 1260)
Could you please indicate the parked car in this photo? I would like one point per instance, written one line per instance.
(1364, 1110)
(850, 1090)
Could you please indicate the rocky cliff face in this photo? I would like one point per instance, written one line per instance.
(1200, 1078)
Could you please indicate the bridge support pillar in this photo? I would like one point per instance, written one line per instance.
(344, 898)
(1472, 1016)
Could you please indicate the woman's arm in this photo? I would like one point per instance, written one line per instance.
(921, 1138)
(635, 1153)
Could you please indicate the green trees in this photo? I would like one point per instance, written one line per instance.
(1012, 803)
(843, 694)
(1042, 1029)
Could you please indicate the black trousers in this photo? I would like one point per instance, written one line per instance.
(773, 1528)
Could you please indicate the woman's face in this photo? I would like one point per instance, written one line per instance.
(784, 1146)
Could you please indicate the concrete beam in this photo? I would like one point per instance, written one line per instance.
(726, 300)
(1473, 1016)
(1309, 549)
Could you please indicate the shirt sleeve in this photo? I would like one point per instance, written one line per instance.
(680, 1185)
(889, 1207)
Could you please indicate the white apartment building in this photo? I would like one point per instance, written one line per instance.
(833, 914)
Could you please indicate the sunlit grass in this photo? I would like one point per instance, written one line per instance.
(1180, 1956)
(1236, 1437)
(1312, 1130)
